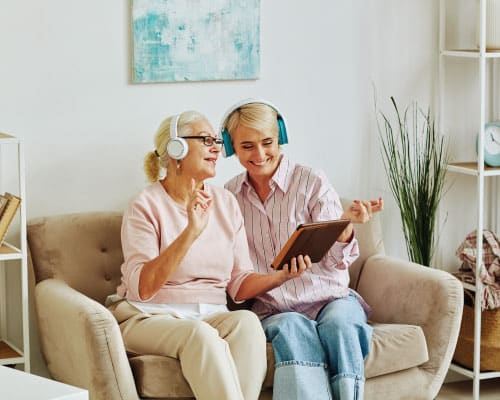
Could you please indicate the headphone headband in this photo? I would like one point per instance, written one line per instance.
(173, 126)
(227, 149)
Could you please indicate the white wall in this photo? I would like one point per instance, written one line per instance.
(65, 90)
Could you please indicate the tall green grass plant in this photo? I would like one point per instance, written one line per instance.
(415, 159)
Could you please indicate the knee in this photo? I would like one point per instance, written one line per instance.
(343, 328)
(202, 334)
(337, 323)
(289, 324)
(246, 323)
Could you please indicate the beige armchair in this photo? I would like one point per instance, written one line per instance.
(77, 257)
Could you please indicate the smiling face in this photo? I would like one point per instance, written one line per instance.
(254, 134)
(200, 160)
(257, 151)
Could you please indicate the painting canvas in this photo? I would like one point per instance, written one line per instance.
(195, 40)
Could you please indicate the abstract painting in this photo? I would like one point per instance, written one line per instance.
(195, 40)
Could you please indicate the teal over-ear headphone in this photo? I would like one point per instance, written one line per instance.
(228, 149)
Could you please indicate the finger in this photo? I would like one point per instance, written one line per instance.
(308, 261)
(202, 200)
(368, 207)
(302, 264)
(293, 265)
(381, 204)
(377, 205)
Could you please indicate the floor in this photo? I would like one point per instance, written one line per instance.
(489, 390)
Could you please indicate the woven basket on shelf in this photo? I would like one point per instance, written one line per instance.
(490, 337)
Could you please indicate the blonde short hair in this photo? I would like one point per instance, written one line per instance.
(258, 116)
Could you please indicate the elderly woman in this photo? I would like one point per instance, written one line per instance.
(185, 247)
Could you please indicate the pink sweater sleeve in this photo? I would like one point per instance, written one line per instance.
(218, 261)
(140, 244)
(242, 261)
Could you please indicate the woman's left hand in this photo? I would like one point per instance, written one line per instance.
(361, 211)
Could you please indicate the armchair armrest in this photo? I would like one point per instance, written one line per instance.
(403, 292)
(82, 343)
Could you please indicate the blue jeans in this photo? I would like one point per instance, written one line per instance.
(321, 359)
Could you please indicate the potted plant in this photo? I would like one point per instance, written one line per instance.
(415, 158)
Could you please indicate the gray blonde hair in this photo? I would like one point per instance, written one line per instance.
(155, 161)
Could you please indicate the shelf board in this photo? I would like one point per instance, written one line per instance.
(470, 168)
(9, 252)
(5, 138)
(469, 53)
(469, 373)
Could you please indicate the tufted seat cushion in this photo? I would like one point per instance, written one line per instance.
(407, 341)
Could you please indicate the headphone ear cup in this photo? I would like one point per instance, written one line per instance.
(177, 148)
(228, 149)
(282, 135)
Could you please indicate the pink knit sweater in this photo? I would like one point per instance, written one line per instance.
(217, 261)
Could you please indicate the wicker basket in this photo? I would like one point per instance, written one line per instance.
(490, 337)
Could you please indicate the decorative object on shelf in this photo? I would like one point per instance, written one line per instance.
(490, 301)
(491, 144)
(191, 40)
(415, 158)
(490, 337)
(8, 213)
(490, 268)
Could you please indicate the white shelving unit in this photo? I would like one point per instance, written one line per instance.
(476, 169)
(14, 257)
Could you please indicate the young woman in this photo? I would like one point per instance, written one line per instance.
(317, 325)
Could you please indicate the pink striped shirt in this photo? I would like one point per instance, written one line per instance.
(298, 195)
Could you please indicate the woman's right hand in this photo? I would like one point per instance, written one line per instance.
(198, 209)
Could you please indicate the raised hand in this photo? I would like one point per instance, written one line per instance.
(198, 208)
(361, 211)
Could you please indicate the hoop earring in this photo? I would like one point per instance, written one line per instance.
(178, 170)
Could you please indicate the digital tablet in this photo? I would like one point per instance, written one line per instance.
(313, 239)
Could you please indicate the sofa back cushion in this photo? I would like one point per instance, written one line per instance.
(84, 250)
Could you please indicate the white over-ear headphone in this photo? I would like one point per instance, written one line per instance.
(177, 147)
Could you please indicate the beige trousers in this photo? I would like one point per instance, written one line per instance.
(223, 357)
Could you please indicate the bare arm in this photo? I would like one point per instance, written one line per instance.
(256, 284)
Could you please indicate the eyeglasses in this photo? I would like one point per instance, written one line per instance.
(207, 140)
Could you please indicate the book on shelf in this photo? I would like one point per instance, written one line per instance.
(3, 202)
(312, 239)
(8, 213)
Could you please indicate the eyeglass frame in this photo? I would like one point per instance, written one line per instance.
(213, 140)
